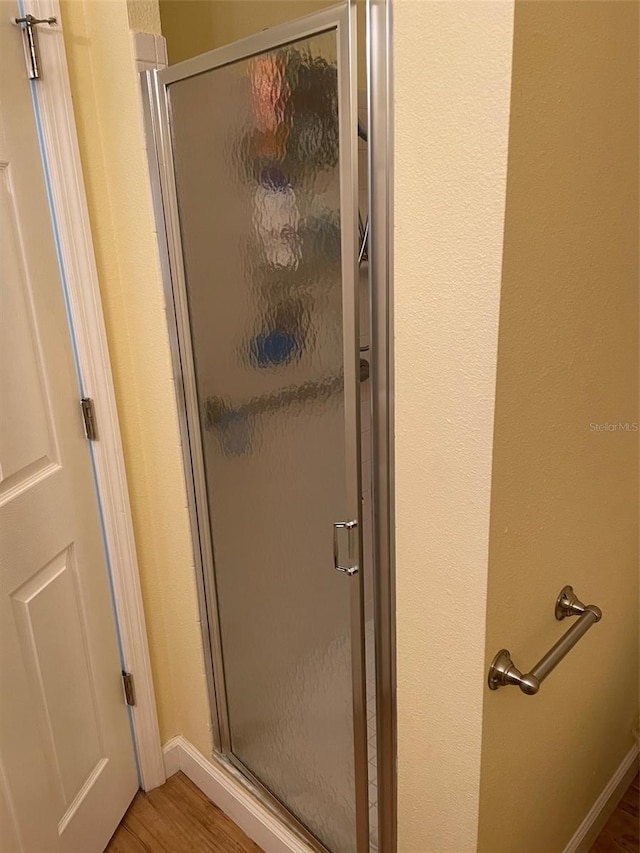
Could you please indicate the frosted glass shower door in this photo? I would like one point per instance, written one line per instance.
(256, 143)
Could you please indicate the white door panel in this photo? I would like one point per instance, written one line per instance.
(67, 770)
(27, 442)
(8, 828)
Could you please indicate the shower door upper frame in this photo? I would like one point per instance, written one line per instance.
(341, 19)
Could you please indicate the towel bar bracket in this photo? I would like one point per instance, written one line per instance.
(568, 604)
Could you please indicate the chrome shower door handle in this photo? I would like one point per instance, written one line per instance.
(350, 527)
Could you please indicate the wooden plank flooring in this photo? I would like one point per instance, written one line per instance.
(620, 834)
(178, 818)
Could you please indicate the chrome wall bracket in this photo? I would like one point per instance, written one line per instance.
(568, 604)
(504, 672)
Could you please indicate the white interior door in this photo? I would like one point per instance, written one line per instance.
(67, 766)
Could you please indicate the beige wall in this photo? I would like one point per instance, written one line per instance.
(106, 102)
(224, 21)
(144, 16)
(564, 498)
(219, 22)
(452, 82)
(195, 26)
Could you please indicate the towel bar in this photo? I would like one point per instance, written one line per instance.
(503, 671)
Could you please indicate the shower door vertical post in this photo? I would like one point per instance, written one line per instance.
(379, 74)
(347, 34)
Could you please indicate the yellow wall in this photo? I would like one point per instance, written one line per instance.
(564, 498)
(195, 26)
(106, 102)
(144, 16)
(452, 64)
(224, 21)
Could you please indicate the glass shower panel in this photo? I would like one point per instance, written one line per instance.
(256, 159)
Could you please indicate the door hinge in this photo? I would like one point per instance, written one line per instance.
(127, 686)
(31, 53)
(89, 416)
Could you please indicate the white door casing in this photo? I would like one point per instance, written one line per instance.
(67, 766)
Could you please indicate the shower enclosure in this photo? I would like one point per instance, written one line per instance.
(255, 151)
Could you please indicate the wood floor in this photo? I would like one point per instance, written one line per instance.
(178, 818)
(620, 834)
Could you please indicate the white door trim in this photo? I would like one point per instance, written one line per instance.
(67, 196)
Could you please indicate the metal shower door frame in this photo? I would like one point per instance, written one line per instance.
(341, 19)
(380, 169)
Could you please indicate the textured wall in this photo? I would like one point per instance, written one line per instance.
(144, 16)
(223, 21)
(106, 101)
(564, 497)
(452, 82)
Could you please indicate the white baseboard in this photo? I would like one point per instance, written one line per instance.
(171, 753)
(603, 807)
(223, 786)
